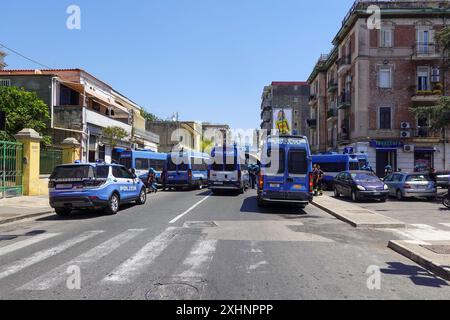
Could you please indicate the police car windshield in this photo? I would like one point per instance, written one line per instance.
(80, 172)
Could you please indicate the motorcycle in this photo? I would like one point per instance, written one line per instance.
(446, 202)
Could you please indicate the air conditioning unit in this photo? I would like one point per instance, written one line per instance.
(435, 75)
(405, 134)
(405, 125)
(408, 148)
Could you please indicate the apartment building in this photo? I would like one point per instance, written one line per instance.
(184, 134)
(81, 106)
(2, 60)
(293, 98)
(374, 77)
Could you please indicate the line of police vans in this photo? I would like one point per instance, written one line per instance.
(285, 176)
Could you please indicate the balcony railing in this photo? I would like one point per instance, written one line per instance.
(68, 117)
(345, 60)
(332, 85)
(345, 100)
(425, 132)
(331, 113)
(426, 50)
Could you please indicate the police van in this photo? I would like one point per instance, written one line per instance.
(286, 172)
(94, 186)
(229, 170)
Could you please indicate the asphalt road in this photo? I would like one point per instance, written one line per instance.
(190, 245)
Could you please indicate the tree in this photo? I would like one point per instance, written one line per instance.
(150, 117)
(24, 110)
(207, 145)
(114, 134)
(439, 115)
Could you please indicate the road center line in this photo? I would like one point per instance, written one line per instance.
(190, 209)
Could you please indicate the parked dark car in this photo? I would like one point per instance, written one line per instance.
(360, 185)
(442, 179)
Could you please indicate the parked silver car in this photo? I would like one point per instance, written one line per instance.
(442, 179)
(411, 185)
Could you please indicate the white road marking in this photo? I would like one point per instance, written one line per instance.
(142, 259)
(190, 209)
(445, 224)
(27, 242)
(54, 277)
(197, 262)
(45, 254)
(421, 233)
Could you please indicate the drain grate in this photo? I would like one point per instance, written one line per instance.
(438, 249)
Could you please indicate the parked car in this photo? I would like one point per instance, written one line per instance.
(411, 185)
(442, 179)
(360, 185)
(93, 186)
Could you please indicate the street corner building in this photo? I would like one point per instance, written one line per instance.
(362, 92)
(81, 107)
(284, 107)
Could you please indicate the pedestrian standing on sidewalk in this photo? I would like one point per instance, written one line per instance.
(319, 180)
(314, 177)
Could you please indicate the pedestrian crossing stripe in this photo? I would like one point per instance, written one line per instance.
(42, 255)
(54, 277)
(25, 243)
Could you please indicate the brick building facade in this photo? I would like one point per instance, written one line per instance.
(286, 95)
(380, 74)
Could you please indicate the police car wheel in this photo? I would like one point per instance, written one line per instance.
(113, 204)
(142, 197)
(62, 212)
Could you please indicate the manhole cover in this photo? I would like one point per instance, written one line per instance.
(360, 211)
(173, 291)
(200, 224)
(438, 249)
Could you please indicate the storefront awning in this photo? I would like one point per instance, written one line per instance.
(386, 149)
(424, 149)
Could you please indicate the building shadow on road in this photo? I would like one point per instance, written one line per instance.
(250, 205)
(418, 275)
(86, 214)
(15, 236)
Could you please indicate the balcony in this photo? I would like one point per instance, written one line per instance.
(344, 63)
(425, 51)
(266, 116)
(427, 96)
(425, 135)
(68, 118)
(345, 100)
(312, 123)
(332, 86)
(312, 99)
(102, 121)
(332, 113)
(147, 135)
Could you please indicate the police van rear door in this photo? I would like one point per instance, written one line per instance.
(297, 170)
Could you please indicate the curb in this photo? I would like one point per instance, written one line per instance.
(420, 260)
(359, 225)
(26, 216)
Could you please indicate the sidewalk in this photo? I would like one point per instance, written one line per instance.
(13, 209)
(355, 215)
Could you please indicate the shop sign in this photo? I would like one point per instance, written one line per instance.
(386, 144)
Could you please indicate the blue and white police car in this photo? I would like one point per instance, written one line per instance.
(94, 186)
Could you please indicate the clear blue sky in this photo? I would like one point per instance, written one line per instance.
(207, 59)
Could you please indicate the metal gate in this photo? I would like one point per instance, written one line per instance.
(11, 169)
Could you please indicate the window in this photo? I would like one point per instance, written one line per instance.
(5, 82)
(423, 79)
(126, 162)
(102, 172)
(142, 164)
(158, 165)
(333, 167)
(423, 41)
(298, 162)
(354, 165)
(125, 173)
(385, 118)
(386, 38)
(384, 78)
